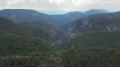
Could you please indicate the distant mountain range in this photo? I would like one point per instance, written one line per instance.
(22, 15)
(56, 12)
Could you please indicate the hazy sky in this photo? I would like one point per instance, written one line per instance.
(66, 5)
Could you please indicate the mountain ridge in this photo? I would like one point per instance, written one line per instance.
(21, 15)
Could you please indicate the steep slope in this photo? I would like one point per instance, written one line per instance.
(98, 22)
(8, 27)
(72, 16)
(15, 44)
(94, 39)
(21, 15)
(41, 29)
(16, 38)
(68, 17)
(38, 29)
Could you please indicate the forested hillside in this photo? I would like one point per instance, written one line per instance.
(94, 39)
(14, 44)
(38, 29)
(16, 39)
(97, 22)
(41, 29)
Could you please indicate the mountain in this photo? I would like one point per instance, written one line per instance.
(56, 12)
(94, 39)
(95, 42)
(15, 44)
(38, 29)
(21, 15)
(8, 27)
(72, 16)
(95, 11)
(41, 29)
(18, 38)
(68, 17)
(98, 22)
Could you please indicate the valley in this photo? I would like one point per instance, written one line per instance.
(29, 38)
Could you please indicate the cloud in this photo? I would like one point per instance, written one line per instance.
(12, 2)
(33, 1)
(67, 5)
(83, 5)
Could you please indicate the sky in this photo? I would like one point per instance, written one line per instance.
(65, 5)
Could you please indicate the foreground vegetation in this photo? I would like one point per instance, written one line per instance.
(84, 57)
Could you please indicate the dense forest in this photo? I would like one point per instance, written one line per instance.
(84, 57)
(94, 39)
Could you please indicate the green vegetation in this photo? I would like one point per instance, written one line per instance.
(41, 29)
(94, 39)
(91, 57)
(84, 57)
(19, 39)
(38, 29)
(14, 44)
(8, 27)
(98, 22)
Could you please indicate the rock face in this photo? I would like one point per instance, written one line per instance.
(98, 22)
